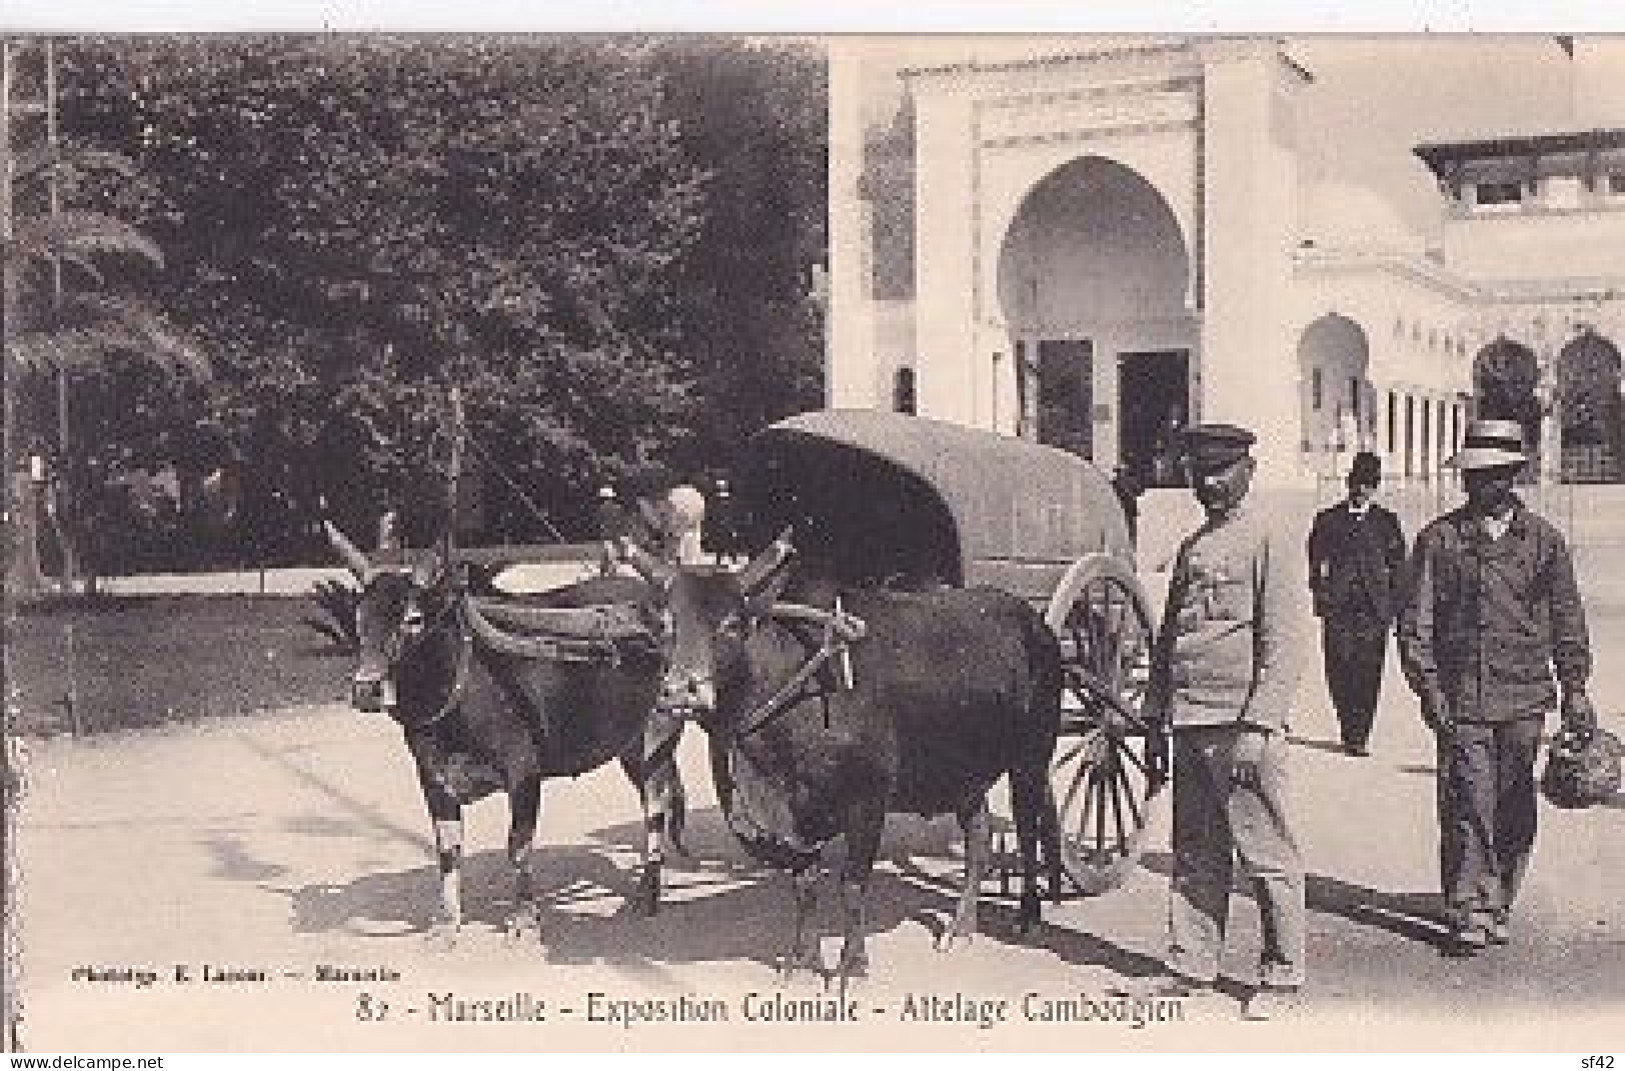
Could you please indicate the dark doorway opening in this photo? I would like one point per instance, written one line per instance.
(1153, 389)
(1066, 371)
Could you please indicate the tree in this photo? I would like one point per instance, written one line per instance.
(356, 223)
(74, 312)
(754, 117)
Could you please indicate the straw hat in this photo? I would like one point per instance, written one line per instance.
(1491, 444)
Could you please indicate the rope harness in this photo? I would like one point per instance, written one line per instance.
(840, 630)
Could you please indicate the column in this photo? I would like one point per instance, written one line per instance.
(944, 256)
(1249, 177)
(852, 376)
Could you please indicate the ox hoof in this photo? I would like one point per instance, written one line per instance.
(442, 937)
(794, 963)
(646, 901)
(854, 968)
(849, 979)
(524, 927)
(1028, 920)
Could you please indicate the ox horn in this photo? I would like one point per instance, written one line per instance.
(762, 567)
(353, 559)
(389, 531)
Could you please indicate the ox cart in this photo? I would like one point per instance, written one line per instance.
(906, 502)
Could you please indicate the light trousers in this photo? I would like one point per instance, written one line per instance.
(1217, 823)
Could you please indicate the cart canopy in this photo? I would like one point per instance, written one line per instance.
(894, 499)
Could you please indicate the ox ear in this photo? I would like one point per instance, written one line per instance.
(767, 564)
(758, 603)
(651, 568)
(353, 559)
(432, 569)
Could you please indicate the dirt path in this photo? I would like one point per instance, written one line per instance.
(282, 843)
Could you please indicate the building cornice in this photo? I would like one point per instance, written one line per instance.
(1417, 269)
(1085, 58)
(1601, 290)
(1440, 278)
(1443, 158)
(1199, 50)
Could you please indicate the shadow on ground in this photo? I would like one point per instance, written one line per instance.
(719, 906)
(1414, 916)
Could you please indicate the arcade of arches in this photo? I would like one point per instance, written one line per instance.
(1093, 248)
(1344, 407)
(1094, 283)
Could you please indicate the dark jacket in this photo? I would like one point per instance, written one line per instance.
(1355, 564)
(1484, 625)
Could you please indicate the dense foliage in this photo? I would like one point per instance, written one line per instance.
(605, 243)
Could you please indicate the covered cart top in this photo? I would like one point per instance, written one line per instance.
(889, 498)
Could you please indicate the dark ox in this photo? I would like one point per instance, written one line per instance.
(479, 717)
(828, 709)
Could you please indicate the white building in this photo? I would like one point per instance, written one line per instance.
(1093, 242)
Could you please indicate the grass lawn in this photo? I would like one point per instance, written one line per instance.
(125, 663)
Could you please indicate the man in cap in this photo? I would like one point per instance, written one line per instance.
(1356, 555)
(1491, 614)
(1223, 675)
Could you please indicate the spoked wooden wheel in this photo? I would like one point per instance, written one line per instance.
(1111, 763)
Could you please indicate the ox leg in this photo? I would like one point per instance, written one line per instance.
(1050, 829)
(803, 951)
(447, 816)
(863, 829)
(660, 787)
(1027, 790)
(525, 808)
(976, 825)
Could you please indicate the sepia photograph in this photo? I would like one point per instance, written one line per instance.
(603, 542)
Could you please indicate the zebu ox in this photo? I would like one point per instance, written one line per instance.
(493, 695)
(827, 709)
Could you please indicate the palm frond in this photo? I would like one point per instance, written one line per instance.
(70, 161)
(337, 601)
(84, 264)
(87, 342)
(79, 233)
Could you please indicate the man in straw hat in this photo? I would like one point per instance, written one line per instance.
(1223, 675)
(1356, 556)
(1491, 614)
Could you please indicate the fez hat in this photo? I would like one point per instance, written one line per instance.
(1491, 444)
(1366, 469)
(1211, 447)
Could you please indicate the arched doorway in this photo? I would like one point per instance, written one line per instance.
(1092, 279)
(1337, 409)
(1589, 409)
(1505, 378)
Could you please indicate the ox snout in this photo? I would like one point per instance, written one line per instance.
(688, 693)
(372, 693)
